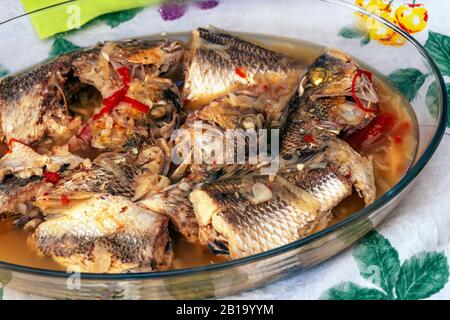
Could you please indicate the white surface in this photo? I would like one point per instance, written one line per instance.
(421, 221)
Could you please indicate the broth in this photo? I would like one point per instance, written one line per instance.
(392, 160)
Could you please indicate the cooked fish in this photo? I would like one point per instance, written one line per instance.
(142, 58)
(219, 63)
(112, 174)
(255, 213)
(24, 162)
(249, 216)
(33, 104)
(325, 104)
(15, 191)
(174, 203)
(106, 234)
(128, 128)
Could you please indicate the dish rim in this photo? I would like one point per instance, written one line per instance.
(384, 200)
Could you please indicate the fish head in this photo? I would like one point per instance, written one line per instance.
(339, 90)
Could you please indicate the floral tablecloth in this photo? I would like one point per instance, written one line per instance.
(410, 250)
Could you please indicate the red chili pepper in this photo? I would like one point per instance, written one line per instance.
(414, 5)
(378, 129)
(240, 72)
(124, 75)
(358, 74)
(111, 102)
(308, 139)
(51, 177)
(64, 200)
(136, 104)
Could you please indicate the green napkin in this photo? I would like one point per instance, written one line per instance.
(73, 14)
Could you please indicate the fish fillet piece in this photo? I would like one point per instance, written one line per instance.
(253, 215)
(15, 191)
(112, 174)
(32, 103)
(106, 234)
(174, 203)
(22, 161)
(219, 63)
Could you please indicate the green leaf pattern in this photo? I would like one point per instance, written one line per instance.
(3, 72)
(378, 262)
(61, 45)
(408, 81)
(431, 100)
(419, 277)
(438, 46)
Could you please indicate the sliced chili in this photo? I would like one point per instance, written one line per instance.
(51, 177)
(124, 75)
(136, 104)
(111, 102)
(357, 75)
(308, 139)
(64, 200)
(240, 72)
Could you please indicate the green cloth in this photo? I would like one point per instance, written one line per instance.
(73, 14)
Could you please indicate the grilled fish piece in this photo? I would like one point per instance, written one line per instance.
(325, 106)
(106, 234)
(219, 63)
(143, 58)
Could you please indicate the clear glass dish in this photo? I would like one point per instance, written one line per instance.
(306, 20)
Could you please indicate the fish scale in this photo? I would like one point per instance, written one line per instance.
(296, 207)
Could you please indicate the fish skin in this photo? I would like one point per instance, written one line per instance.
(112, 174)
(300, 203)
(32, 103)
(211, 68)
(106, 234)
(174, 203)
(14, 191)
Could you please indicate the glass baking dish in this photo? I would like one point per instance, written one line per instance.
(304, 20)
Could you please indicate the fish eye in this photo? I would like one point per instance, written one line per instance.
(318, 76)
